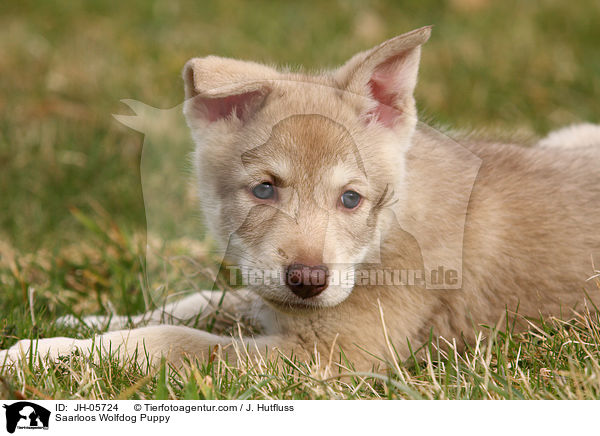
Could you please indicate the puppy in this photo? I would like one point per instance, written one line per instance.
(364, 230)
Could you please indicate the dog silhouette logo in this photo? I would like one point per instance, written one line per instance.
(26, 415)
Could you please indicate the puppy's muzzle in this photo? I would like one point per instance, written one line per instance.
(307, 281)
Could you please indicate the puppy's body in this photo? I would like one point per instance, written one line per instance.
(517, 225)
(529, 236)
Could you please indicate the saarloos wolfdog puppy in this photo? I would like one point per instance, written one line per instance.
(372, 219)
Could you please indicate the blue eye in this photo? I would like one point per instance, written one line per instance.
(264, 191)
(350, 199)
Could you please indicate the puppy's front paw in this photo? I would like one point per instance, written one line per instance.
(93, 321)
(12, 354)
(50, 348)
(68, 321)
(16, 352)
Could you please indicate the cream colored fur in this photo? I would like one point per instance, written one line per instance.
(576, 135)
(526, 219)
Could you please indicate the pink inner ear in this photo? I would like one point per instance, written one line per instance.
(215, 109)
(385, 112)
(386, 86)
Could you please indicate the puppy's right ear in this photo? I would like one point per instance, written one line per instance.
(388, 75)
(220, 89)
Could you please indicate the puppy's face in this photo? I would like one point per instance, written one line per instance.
(295, 172)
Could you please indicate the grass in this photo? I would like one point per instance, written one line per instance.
(72, 219)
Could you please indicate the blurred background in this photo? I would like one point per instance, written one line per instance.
(69, 172)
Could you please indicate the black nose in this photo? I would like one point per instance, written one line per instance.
(306, 281)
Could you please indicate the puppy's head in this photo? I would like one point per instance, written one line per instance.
(295, 172)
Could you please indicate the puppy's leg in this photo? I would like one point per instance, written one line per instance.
(187, 311)
(148, 344)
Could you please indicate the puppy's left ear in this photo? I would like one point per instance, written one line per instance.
(224, 90)
(388, 74)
